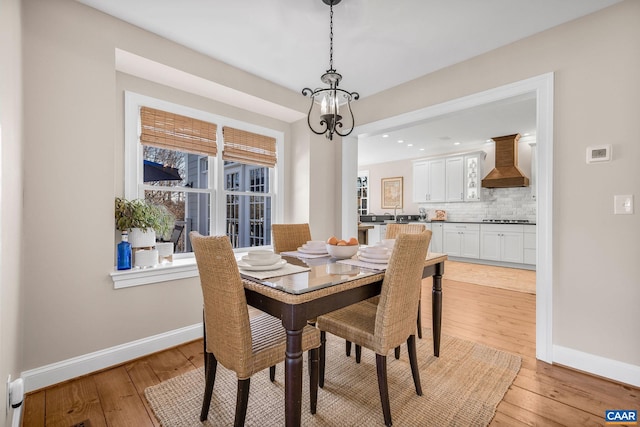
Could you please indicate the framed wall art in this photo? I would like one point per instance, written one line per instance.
(392, 193)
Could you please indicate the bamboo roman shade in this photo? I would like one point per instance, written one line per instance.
(246, 147)
(175, 132)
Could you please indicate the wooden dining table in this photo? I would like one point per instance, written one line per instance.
(325, 286)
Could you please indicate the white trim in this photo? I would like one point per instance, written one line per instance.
(543, 87)
(601, 366)
(35, 379)
(16, 420)
(182, 268)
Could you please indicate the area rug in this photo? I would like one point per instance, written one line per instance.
(462, 387)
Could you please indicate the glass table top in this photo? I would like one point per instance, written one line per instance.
(324, 272)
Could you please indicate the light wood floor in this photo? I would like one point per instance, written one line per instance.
(541, 395)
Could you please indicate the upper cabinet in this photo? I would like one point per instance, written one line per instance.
(363, 192)
(429, 181)
(448, 179)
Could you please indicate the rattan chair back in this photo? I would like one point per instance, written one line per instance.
(393, 230)
(400, 293)
(225, 306)
(289, 237)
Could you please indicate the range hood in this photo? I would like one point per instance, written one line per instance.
(506, 173)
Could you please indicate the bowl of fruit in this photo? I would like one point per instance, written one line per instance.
(342, 249)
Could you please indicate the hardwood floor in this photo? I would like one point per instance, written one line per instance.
(541, 395)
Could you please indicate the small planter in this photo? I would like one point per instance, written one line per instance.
(142, 239)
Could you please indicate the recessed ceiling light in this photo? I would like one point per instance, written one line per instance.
(409, 145)
(488, 140)
(421, 149)
(526, 134)
(385, 136)
(400, 141)
(456, 143)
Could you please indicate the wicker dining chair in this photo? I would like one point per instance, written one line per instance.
(241, 344)
(384, 326)
(289, 237)
(393, 230)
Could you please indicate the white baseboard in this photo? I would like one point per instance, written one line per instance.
(54, 373)
(597, 365)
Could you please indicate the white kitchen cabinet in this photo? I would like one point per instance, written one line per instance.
(429, 180)
(530, 244)
(436, 237)
(373, 234)
(502, 242)
(461, 240)
(454, 179)
(472, 176)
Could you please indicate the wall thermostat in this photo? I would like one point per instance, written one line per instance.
(600, 153)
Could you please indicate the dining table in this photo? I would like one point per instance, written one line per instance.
(310, 286)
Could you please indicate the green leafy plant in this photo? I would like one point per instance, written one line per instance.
(144, 215)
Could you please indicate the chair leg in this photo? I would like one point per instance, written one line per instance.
(419, 321)
(210, 379)
(381, 367)
(323, 355)
(396, 352)
(347, 348)
(313, 378)
(413, 359)
(358, 353)
(241, 402)
(272, 373)
(204, 343)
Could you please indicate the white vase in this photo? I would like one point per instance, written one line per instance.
(142, 239)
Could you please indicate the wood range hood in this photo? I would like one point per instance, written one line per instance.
(506, 173)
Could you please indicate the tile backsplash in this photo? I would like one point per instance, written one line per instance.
(500, 203)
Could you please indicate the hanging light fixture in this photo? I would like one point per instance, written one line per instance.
(328, 105)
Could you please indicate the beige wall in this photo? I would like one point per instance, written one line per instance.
(596, 61)
(74, 143)
(10, 197)
(73, 131)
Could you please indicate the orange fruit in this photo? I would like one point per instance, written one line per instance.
(352, 241)
(341, 243)
(332, 240)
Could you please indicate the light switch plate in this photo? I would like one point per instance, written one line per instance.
(623, 204)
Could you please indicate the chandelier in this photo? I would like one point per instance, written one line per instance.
(328, 105)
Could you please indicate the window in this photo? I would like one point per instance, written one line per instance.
(216, 175)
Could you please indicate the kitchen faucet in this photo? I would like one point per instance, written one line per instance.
(395, 209)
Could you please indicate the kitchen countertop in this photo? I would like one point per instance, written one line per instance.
(449, 222)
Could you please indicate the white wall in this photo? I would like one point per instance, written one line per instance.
(10, 198)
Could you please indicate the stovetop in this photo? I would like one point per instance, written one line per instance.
(506, 221)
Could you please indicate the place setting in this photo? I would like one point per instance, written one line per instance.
(311, 249)
(374, 257)
(263, 264)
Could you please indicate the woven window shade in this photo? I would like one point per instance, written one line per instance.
(175, 132)
(246, 147)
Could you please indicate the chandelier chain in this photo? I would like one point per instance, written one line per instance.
(331, 36)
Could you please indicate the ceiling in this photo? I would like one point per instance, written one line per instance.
(377, 45)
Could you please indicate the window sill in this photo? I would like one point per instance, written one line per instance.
(181, 268)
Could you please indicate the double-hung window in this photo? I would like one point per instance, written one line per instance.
(216, 175)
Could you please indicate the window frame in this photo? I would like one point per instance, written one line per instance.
(184, 264)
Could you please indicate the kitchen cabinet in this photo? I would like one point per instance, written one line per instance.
(454, 180)
(502, 242)
(376, 234)
(530, 244)
(472, 176)
(429, 180)
(436, 237)
(448, 179)
(461, 240)
(363, 192)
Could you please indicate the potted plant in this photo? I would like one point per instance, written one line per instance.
(143, 220)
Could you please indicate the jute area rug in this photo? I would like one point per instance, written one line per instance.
(460, 388)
